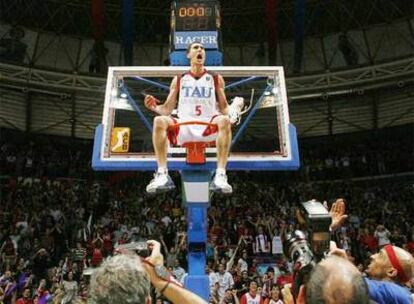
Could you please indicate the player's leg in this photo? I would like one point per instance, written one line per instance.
(160, 139)
(223, 142)
(162, 181)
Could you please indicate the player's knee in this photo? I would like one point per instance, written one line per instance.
(160, 122)
(223, 122)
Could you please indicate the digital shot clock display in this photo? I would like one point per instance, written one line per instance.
(195, 21)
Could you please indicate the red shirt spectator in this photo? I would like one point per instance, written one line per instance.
(284, 279)
(370, 242)
(410, 247)
(96, 257)
(25, 299)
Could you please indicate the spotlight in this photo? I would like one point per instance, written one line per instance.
(124, 95)
(400, 84)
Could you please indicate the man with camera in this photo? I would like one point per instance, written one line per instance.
(127, 278)
(336, 280)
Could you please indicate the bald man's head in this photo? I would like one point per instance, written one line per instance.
(336, 281)
(382, 268)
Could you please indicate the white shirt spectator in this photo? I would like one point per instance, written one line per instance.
(382, 237)
(225, 282)
(355, 221)
(213, 278)
(277, 247)
(242, 264)
(261, 243)
(166, 220)
(275, 302)
(178, 273)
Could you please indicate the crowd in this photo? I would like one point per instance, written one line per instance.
(343, 156)
(54, 231)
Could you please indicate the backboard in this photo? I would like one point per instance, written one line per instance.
(263, 138)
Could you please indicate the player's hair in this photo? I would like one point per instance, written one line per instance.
(190, 45)
(120, 279)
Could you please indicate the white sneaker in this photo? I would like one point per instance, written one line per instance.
(220, 184)
(235, 110)
(161, 182)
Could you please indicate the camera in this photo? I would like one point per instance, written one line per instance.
(140, 248)
(306, 248)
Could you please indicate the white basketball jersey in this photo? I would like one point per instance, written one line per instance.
(251, 300)
(197, 99)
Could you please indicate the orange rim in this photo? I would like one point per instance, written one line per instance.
(186, 123)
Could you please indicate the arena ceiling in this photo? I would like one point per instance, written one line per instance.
(243, 20)
(50, 89)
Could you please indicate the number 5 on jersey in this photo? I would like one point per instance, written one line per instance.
(198, 110)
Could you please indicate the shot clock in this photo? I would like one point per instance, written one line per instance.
(197, 20)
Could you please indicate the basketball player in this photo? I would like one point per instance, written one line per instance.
(200, 96)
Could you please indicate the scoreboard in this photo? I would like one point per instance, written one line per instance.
(191, 21)
(196, 16)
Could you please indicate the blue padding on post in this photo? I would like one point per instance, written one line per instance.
(196, 176)
(196, 263)
(199, 284)
(197, 224)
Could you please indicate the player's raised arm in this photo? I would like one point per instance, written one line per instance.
(221, 96)
(168, 106)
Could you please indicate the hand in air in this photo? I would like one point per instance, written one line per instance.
(338, 214)
(150, 102)
(156, 258)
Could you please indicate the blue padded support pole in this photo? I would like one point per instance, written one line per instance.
(197, 199)
(137, 109)
(249, 117)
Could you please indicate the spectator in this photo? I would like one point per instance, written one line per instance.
(26, 297)
(225, 280)
(275, 296)
(382, 235)
(230, 297)
(394, 266)
(261, 244)
(269, 281)
(242, 264)
(333, 281)
(135, 276)
(252, 296)
(70, 288)
(178, 271)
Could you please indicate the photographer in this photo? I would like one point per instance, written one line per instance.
(322, 277)
(334, 280)
(389, 269)
(127, 278)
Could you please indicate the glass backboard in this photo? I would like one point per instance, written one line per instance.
(263, 137)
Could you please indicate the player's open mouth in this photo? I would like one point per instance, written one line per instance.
(199, 56)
